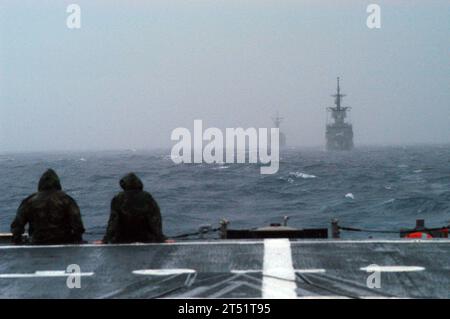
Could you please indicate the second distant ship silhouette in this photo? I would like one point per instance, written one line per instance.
(339, 131)
(277, 121)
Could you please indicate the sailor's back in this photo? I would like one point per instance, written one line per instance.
(135, 215)
(52, 215)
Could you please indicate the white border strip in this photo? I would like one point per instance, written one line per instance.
(374, 268)
(163, 272)
(243, 242)
(48, 273)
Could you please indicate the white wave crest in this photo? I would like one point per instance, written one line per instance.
(349, 195)
(301, 175)
(221, 167)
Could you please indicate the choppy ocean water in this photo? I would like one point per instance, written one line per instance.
(372, 187)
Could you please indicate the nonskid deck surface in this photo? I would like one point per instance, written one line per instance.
(271, 268)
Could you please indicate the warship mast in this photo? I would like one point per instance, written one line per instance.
(338, 96)
(339, 132)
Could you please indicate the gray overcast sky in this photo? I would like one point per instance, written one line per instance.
(135, 70)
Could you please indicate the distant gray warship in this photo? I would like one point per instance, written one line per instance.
(339, 133)
(277, 121)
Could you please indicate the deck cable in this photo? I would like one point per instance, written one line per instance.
(310, 283)
(369, 230)
(195, 234)
(389, 231)
(180, 287)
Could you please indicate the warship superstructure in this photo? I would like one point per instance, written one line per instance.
(277, 121)
(339, 131)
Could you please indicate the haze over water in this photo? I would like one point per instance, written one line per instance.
(136, 70)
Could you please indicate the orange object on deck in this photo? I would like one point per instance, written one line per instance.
(419, 235)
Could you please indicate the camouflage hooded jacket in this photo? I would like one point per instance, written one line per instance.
(135, 215)
(52, 215)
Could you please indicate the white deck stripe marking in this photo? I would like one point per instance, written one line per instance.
(278, 270)
(300, 271)
(47, 273)
(248, 271)
(392, 268)
(163, 272)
